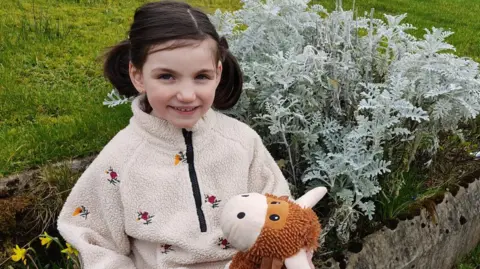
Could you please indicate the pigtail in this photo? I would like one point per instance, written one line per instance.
(230, 88)
(115, 68)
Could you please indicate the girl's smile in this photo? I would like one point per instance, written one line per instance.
(180, 83)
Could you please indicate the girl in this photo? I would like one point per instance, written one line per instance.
(153, 196)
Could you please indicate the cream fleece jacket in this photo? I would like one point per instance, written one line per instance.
(153, 196)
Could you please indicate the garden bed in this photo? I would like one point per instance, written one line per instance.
(415, 240)
(423, 241)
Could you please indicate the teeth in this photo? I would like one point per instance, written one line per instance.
(184, 109)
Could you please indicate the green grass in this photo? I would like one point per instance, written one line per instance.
(391, 205)
(51, 87)
(471, 261)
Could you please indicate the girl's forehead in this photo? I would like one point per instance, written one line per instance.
(183, 51)
(207, 44)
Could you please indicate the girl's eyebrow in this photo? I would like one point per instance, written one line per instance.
(162, 69)
(206, 70)
(167, 70)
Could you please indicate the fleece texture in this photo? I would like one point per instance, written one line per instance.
(154, 195)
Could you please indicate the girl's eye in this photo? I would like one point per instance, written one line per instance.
(165, 76)
(202, 77)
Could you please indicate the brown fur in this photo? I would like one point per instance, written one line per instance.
(301, 230)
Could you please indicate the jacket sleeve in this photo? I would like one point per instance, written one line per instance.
(265, 176)
(92, 220)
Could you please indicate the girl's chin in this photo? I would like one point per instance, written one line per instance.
(184, 123)
(180, 119)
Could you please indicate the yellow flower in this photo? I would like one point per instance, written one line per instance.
(45, 239)
(19, 255)
(70, 251)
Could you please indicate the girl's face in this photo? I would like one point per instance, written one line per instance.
(180, 83)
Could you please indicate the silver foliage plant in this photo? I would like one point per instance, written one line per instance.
(114, 98)
(335, 93)
(333, 90)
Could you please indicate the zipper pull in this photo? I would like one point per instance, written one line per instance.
(186, 133)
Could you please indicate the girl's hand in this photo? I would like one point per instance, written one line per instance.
(310, 257)
(303, 260)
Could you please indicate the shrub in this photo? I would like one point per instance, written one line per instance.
(347, 101)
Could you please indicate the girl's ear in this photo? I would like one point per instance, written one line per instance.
(219, 72)
(136, 77)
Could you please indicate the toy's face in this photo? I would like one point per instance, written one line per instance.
(244, 216)
(277, 213)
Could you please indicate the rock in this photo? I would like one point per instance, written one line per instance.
(11, 185)
(419, 243)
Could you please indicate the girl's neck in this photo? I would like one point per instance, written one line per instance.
(161, 129)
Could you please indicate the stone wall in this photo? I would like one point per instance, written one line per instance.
(419, 243)
(9, 186)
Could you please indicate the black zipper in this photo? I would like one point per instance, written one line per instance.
(194, 180)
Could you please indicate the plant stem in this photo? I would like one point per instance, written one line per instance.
(325, 253)
(413, 152)
(55, 239)
(33, 261)
(284, 137)
(74, 259)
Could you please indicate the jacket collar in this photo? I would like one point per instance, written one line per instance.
(163, 131)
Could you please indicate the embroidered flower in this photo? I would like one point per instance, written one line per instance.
(212, 200)
(145, 217)
(82, 211)
(165, 248)
(223, 243)
(113, 176)
(180, 157)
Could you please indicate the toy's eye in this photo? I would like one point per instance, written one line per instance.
(245, 195)
(241, 215)
(275, 203)
(274, 217)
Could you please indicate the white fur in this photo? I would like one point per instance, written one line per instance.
(311, 198)
(242, 233)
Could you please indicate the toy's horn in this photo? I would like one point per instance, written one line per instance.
(311, 198)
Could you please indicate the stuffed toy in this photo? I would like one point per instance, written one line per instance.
(272, 232)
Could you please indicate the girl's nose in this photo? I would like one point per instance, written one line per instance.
(186, 96)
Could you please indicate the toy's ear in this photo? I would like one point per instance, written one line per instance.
(311, 198)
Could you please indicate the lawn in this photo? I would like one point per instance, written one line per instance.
(471, 261)
(51, 87)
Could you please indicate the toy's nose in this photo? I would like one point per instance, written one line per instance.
(241, 215)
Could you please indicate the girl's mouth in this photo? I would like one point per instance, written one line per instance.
(184, 110)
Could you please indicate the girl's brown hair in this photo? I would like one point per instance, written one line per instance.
(158, 22)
